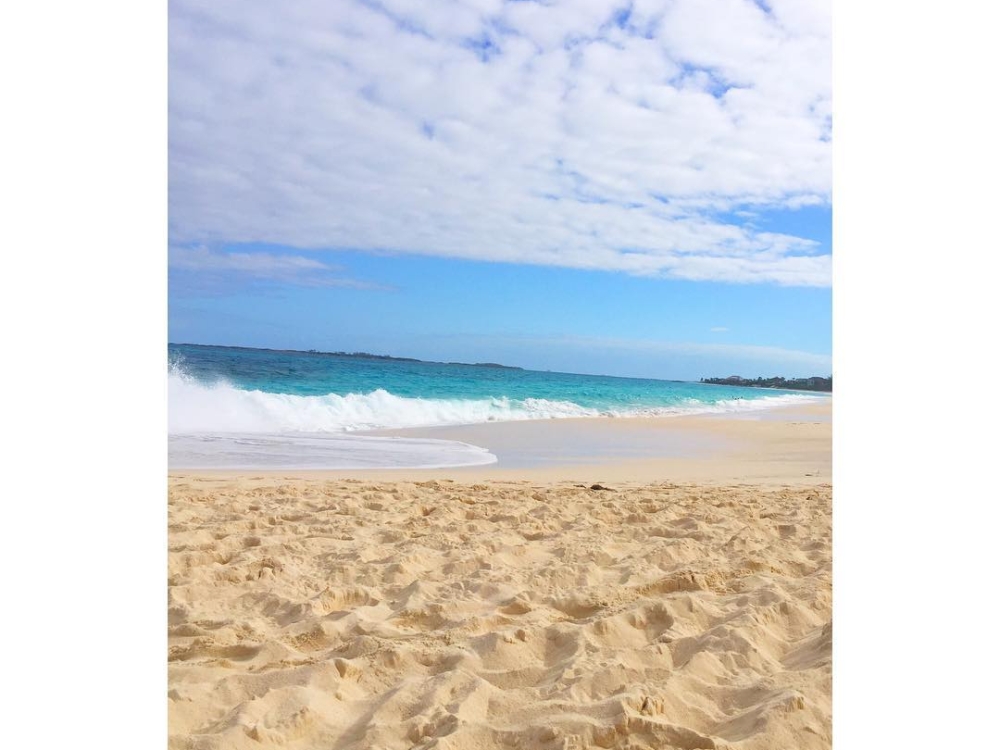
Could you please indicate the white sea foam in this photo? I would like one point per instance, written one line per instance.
(320, 451)
(220, 426)
(197, 408)
(726, 406)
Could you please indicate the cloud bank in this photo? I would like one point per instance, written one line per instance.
(200, 268)
(588, 134)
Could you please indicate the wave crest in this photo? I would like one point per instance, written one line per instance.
(199, 407)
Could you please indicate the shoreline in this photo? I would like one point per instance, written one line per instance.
(782, 445)
(677, 599)
(765, 388)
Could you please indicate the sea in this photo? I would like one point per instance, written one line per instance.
(242, 408)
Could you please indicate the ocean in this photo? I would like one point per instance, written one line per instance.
(240, 408)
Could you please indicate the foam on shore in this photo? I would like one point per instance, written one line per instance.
(262, 451)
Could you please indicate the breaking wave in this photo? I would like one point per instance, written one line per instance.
(198, 407)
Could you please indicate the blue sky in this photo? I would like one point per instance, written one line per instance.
(626, 188)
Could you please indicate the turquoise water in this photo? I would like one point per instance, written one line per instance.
(223, 399)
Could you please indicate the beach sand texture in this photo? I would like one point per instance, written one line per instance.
(357, 613)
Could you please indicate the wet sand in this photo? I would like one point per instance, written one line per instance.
(676, 598)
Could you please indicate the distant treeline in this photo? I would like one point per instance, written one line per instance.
(366, 355)
(795, 384)
(353, 355)
(361, 355)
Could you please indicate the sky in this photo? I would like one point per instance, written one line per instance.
(620, 188)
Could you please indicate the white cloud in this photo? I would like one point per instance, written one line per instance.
(718, 329)
(557, 133)
(286, 269)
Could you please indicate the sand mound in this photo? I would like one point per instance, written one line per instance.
(349, 614)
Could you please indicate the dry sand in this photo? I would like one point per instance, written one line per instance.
(324, 611)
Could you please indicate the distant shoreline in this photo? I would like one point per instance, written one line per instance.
(351, 355)
(767, 388)
(811, 384)
(494, 365)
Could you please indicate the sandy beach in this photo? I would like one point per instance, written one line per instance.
(676, 594)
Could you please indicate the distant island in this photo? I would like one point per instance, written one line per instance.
(793, 384)
(352, 355)
(487, 364)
